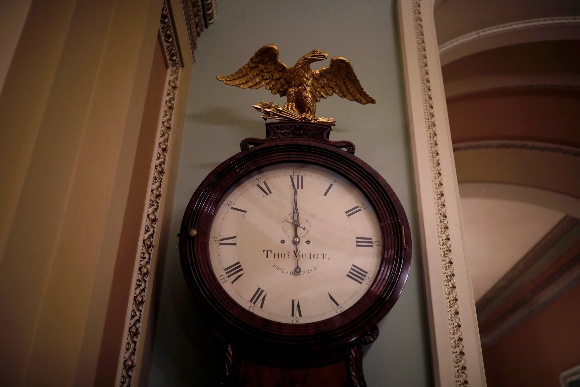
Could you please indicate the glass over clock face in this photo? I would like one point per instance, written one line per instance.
(295, 243)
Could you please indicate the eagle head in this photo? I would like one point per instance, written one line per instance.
(314, 56)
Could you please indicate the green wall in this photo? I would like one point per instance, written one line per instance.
(219, 116)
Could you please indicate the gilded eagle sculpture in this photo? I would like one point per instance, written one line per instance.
(302, 86)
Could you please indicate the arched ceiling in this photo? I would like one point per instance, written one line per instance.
(465, 27)
(552, 169)
(511, 224)
(536, 65)
(519, 114)
(456, 18)
(511, 72)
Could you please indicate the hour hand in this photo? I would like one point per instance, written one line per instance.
(298, 225)
(295, 213)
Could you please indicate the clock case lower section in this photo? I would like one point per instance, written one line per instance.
(250, 338)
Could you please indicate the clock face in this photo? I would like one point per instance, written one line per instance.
(295, 243)
(294, 248)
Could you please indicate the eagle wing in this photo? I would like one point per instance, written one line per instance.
(339, 77)
(263, 69)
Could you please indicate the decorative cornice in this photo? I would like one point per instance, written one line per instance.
(451, 295)
(143, 269)
(210, 10)
(199, 14)
(508, 27)
(192, 32)
(289, 129)
(521, 145)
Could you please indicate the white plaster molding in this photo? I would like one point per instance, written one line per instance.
(480, 84)
(508, 27)
(513, 144)
(144, 263)
(455, 346)
(541, 29)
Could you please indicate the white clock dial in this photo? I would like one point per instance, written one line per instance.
(295, 243)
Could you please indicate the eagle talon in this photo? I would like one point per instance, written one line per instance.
(291, 107)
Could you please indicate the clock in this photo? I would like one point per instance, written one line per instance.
(295, 249)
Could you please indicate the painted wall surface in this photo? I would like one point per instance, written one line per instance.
(71, 109)
(220, 116)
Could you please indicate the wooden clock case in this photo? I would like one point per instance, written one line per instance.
(312, 352)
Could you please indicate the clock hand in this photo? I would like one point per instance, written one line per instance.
(292, 223)
(296, 224)
(295, 213)
(297, 269)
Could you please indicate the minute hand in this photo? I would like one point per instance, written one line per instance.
(296, 224)
(295, 213)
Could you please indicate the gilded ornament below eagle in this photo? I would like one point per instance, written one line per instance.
(302, 86)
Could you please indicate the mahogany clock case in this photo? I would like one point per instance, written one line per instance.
(282, 343)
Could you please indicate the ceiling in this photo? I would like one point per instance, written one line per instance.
(505, 231)
(512, 84)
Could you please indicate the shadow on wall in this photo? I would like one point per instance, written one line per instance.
(197, 363)
(228, 118)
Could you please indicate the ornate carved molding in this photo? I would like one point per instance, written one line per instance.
(210, 10)
(143, 269)
(523, 145)
(508, 27)
(199, 14)
(451, 296)
(291, 129)
(190, 22)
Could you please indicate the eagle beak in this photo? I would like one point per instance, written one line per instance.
(321, 56)
(315, 56)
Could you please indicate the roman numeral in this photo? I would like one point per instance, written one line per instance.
(332, 299)
(234, 269)
(296, 312)
(266, 190)
(256, 297)
(357, 274)
(353, 211)
(328, 189)
(228, 241)
(239, 209)
(364, 242)
(297, 181)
